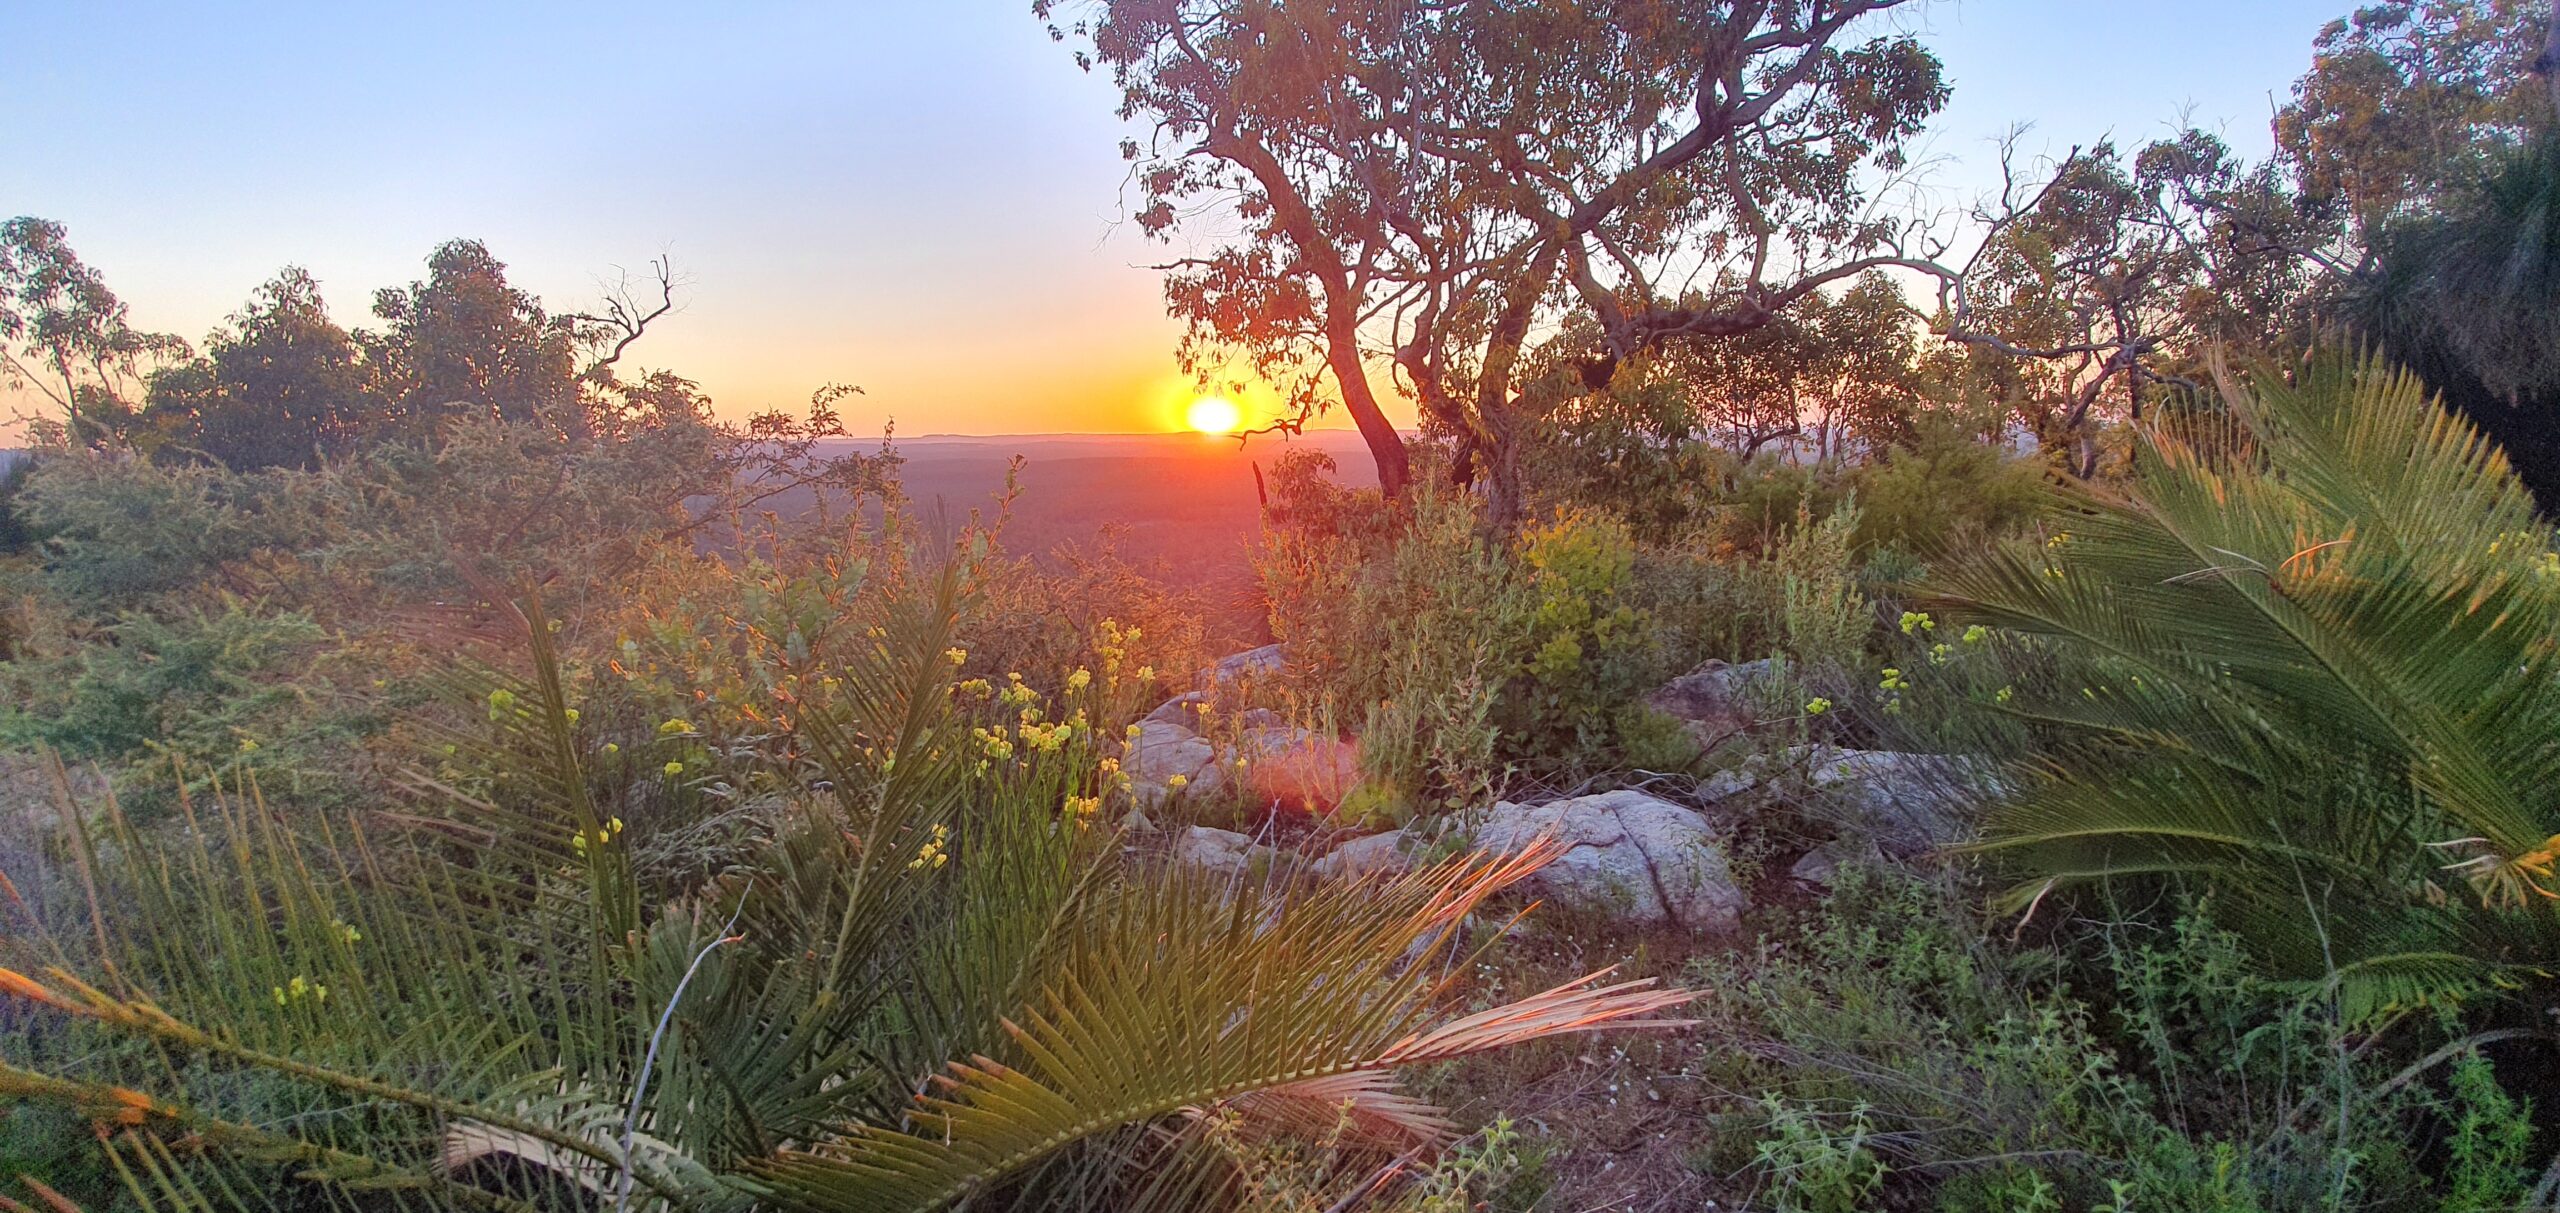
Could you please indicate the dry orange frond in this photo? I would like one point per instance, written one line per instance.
(1575, 1006)
(19, 985)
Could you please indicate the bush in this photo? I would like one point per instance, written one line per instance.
(230, 688)
(1400, 617)
(123, 533)
(1900, 1046)
(1591, 649)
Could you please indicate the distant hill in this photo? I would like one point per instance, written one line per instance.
(1179, 505)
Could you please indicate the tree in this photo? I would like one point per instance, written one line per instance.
(282, 386)
(2405, 101)
(1420, 189)
(64, 334)
(2469, 297)
(463, 342)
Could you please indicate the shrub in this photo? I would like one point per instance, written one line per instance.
(1591, 650)
(1906, 1056)
(218, 689)
(1401, 617)
(123, 533)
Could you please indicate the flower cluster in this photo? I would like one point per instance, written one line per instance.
(604, 833)
(934, 853)
(298, 989)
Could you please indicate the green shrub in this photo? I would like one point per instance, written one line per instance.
(230, 688)
(1399, 616)
(123, 533)
(1592, 651)
(2148, 1064)
(1810, 576)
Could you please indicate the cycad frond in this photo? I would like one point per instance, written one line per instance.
(471, 985)
(2316, 640)
(1186, 996)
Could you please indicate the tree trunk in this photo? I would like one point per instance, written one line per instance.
(1505, 508)
(2548, 63)
(1386, 446)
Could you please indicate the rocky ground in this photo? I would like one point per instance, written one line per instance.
(1653, 878)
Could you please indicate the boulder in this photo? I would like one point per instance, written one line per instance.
(1224, 852)
(1634, 857)
(1375, 855)
(1162, 752)
(1250, 664)
(1294, 767)
(1252, 719)
(1822, 864)
(1904, 805)
(1182, 710)
(1717, 694)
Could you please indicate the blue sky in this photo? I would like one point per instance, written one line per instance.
(922, 198)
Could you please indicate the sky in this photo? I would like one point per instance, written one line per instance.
(922, 197)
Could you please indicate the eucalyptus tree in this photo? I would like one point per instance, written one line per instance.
(1397, 196)
(67, 337)
(464, 342)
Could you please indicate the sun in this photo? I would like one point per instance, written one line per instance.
(1214, 415)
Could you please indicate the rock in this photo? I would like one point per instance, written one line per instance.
(1222, 851)
(1904, 805)
(1819, 865)
(1716, 693)
(1635, 857)
(1375, 855)
(1730, 782)
(1161, 753)
(1260, 718)
(1182, 710)
(1294, 767)
(1263, 662)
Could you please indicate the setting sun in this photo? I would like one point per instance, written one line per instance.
(1214, 415)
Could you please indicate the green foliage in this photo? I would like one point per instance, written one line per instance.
(195, 686)
(1815, 1167)
(67, 336)
(1823, 619)
(1591, 650)
(489, 973)
(283, 386)
(463, 343)
(1405, 620)
(122, 533)
(1905, 1055)
(2492, 1131)
(2315, 644)
(1945, 488)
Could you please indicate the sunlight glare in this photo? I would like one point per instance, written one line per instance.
(1214, 415)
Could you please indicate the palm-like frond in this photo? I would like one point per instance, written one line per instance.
(470, 987)
(1178, 997)
(2317, 639)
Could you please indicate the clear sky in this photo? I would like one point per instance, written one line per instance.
(919, 196)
